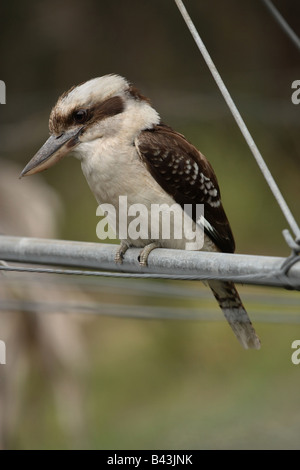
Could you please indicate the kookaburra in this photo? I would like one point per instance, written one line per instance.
(125, 149)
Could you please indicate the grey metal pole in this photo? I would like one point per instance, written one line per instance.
(246, 269)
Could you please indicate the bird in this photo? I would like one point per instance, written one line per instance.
(126, 149)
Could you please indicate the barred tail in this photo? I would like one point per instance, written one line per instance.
(235, 313)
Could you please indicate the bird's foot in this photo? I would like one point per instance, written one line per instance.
(121, 252)
(143, 256)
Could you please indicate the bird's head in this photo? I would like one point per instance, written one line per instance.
(96, 109)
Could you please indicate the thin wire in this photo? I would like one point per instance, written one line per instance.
(282, 22)
(79, 272)
(208, 312)
(122, 286)
(285, 280)
(240, 122)
(125, 288)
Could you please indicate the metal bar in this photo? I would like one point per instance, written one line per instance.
(246, 269)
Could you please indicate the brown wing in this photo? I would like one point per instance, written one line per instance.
(184, 173)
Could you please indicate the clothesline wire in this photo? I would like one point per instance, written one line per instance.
(282, 23)
(240, 122)
(243, 278)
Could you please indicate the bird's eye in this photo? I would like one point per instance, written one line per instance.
(80, 116)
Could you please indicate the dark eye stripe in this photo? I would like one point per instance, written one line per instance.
(111, 107)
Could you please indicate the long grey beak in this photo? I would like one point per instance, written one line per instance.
(52, 151)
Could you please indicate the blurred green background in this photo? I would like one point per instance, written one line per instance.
(158, 384)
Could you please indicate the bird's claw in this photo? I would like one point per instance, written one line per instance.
(120, 253)
(144, 254)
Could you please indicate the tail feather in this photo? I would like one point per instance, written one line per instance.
(235, 313)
